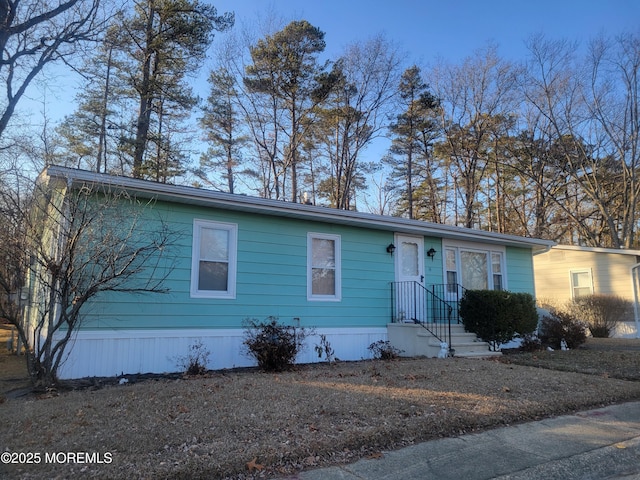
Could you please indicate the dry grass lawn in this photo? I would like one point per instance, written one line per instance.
(248, 424)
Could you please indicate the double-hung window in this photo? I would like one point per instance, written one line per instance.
(213, 264)
(581, 283)
(451, 269)
(323, 267)
(496, 269)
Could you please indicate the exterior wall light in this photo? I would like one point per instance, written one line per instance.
(431, 253)
(391, 248)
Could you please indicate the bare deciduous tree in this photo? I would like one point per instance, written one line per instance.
(68, 243)
(35, 33)
(591, 106)
(356, 112)
(477, 98)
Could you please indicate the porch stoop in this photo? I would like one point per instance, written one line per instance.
(415, 340)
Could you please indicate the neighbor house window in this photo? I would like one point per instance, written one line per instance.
(474, 267)
(581, 283)
(323, 267)
(213, 266)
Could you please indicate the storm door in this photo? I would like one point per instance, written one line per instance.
(409, 267)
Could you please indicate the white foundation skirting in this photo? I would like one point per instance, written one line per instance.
(626, 330)
(113, 353)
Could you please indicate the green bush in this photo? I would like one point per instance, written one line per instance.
(274, 346)
(601, 312)
(559, 326)
(498, 316)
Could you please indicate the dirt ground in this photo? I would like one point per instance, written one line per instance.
(13, 370)
(249, 424)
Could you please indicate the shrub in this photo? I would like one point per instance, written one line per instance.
(195, 362)
(530, 343)
(383, 350)
(560, 326)
(325, 348)
(498, 316)
(273, 345)
(601, 312)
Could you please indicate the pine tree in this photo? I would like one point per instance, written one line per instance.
(221, 124)
(285, 70)
(413, 134)
(161, 43)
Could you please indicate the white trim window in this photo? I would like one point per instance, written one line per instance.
(475, 267)
(324, 267)
(581, 283)
(213, 259)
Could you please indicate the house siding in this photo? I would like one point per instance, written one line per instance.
(124, 333)
(520, 270)
(433, 267)
(271, 279)
(610, 273)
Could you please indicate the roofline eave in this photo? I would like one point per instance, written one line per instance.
(238, 202)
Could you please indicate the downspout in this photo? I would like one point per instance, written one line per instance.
(635, 285)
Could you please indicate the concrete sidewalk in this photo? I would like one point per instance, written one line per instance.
(595, 444)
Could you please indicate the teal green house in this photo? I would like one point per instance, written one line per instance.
(347, 274)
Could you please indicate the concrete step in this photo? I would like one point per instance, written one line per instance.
(455, 338)
(479, 355)
(464, 343)
(414, 340)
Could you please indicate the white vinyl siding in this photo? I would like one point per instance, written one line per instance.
(213, 266)
(324, 267)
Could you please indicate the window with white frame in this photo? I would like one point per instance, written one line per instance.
(451, 269)
(474, 267)
(213, 264)
(323, 267)
(581, 283)
(496, 270)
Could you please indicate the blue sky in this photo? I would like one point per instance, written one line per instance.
(425, 30)
(451, 29)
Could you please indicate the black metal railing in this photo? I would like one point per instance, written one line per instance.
(435, 307)
(450, 293)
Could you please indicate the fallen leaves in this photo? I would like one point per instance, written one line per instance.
(309, 417)
(252, 465)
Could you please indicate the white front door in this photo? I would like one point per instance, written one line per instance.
(409, 267)
(409, 259)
